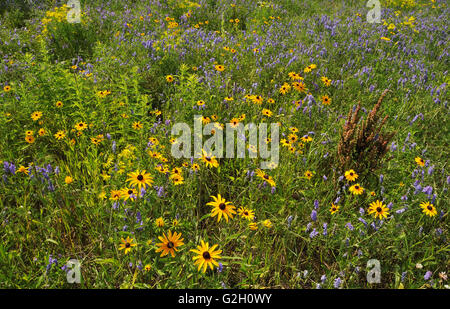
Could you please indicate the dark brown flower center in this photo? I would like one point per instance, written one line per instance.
(356, 187)
(170, 245)
(379, 209)
(127, 245)
(130, 192)
(140, 177)
(206, 255)
(222, 206)
(430, 208)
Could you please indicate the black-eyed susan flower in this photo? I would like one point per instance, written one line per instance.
(246, 213)
(60, 135)
(351, 175)
(129, 193)
(219, 67)
(140, 178)
(59, 104)
(221, 208)
(253, 226)
(326, 100)
(378, 209)
(326, 81)
(356, 189)
(36, 115)
(428, 209)
(169, 243)
(42, 132)
(127, 244)
(177, 179)
(267, 223)
(334, 209)
(22, 169)
(308, 174)
(267, 112)
(68, 180)
(285, 88)
(206, 256)
(420, 161)
(169, 78)
(234, 122)
(160, 222)
(147, 267)
(306, 138)
(80, 126)
(7, 88)
(137, 125)
(195, 167)
(209, 160)
(206, 120)
(267, 178)
(300, 87)
(30, 139)
(115, 195)
(292, 138)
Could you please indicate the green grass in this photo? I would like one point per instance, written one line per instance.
(42, 216)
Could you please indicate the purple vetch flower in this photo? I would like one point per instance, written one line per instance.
(373, 225)
(143, 191)
(323, 278)
(428, 190)
(337, 283)
(289, 220)
(325, 231)
(161, 191)
(220, 268)
(438, 231)
(114, 146)
(362, 211)
(272, 190)
(308, 226)
(402, 210)
(403, 276)
(362, 220)
(428, 275)
(313, 234)
(314, 215)
(381, 178)
(349, 226)
(316, 204)
(393, 146)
